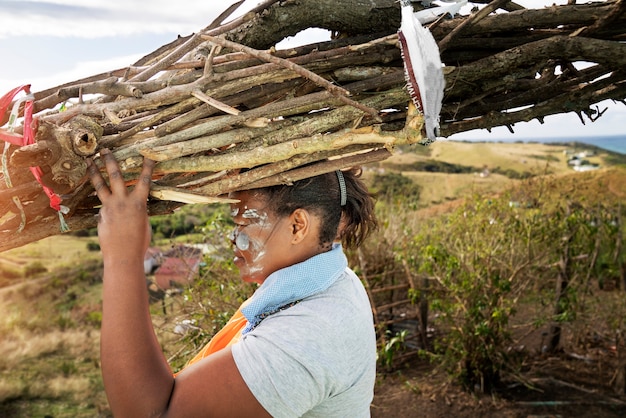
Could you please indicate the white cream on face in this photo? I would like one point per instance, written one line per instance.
(255, 246)
(256, 250)
(244, 242)
(260, 218)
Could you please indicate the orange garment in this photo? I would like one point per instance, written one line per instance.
(227, 336)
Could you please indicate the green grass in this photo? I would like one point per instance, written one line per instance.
(49, 333)
(49, 344)
(52, 252)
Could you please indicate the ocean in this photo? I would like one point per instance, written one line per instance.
(614, 143)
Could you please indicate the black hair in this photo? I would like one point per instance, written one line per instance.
(321, 195)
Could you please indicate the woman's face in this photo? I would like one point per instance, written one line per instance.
(261, 240)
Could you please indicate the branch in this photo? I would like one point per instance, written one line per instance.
(560, 104)
(472, 20)
(531, 57)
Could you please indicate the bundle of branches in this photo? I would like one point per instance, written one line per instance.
(207, 106)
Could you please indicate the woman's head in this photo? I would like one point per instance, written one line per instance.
(281, 225)
(321, 195)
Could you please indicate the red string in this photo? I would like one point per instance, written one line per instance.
(5, 102)
(30, 127)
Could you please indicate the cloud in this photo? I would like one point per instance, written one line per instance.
(93, 19)
(76, 71)
(29, 57)
(50, 42)
(36, 60)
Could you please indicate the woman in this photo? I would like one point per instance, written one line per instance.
(302, 345)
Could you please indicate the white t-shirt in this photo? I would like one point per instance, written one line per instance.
(316, 358)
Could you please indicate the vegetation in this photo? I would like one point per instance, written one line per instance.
(485, 256)
(432, 166)
(508, 274)
(395, 188)
(49, 351)
(188, 320)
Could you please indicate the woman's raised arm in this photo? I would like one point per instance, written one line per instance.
(137, 379)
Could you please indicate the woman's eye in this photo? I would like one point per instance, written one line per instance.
(234, 233)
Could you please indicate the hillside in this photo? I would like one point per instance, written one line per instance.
(460, 169)
(50, 290)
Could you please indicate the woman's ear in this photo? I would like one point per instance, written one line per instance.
(300, 223)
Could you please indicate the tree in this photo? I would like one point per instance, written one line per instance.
(222, 99)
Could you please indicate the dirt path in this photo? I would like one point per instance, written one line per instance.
(560, 388)
(10, 262)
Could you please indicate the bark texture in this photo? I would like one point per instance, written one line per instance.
(211, 103)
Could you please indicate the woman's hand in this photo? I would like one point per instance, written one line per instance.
(123, 226)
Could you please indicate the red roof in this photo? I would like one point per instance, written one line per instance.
(177, 270)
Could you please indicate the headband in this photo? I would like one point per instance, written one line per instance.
(342, 187)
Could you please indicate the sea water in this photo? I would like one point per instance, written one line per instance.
(614, 143)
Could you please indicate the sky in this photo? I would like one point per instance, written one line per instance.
(49, 42)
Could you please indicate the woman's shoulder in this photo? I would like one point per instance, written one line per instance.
(343, 308)
(334, 317)
(346, 292)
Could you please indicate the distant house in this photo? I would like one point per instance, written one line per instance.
(575, 161)
(579, 164)
(181, 270)
(586, 167)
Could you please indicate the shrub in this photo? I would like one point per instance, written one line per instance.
(476, 258)
(396, 188)
(64, 321)
(94, 318)
(35, 268)
(433, 166)
(210, 301)
(80, 233)
(512, 174)
(394, 345)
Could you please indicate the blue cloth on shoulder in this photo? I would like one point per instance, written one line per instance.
(294, 283)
